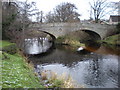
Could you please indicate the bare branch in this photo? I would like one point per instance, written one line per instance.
(99, 9)
(65, 12)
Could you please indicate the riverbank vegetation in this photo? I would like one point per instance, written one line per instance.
(16, 72)
(53, 80)
(67, 40)
(71, 39)
(113, 40)
(74, 40)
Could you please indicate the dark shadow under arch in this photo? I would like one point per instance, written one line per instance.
(94, 36)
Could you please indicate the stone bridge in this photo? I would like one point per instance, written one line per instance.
(59, 29)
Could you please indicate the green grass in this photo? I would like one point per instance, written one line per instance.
(114, 39)
(16, 72)
(8, 47)
(72, 41)
(5, 43)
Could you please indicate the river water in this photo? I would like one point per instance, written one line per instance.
(91, 68)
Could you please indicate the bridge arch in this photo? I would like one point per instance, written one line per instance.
(37, 33)
(92, 35)
(53, 37)
(60, 29)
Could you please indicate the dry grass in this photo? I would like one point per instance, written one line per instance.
(62, 81)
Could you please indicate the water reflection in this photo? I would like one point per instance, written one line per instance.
(90, 69)
(37, 45)
(102, 72)
(92, 46)
(109, 49)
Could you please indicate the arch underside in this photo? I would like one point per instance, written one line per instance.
(88, 35)
(53, 37)
(93, 35)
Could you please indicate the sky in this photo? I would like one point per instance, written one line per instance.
(82, 6)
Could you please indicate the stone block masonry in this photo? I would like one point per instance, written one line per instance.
(59, 29)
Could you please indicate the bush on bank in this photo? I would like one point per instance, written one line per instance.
(72, 41)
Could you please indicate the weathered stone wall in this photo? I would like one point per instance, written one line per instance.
(59, 29)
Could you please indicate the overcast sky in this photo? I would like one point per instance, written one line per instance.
(82, 6)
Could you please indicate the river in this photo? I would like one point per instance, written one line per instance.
(92, 68)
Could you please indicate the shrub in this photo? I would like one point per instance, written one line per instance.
(118, 28)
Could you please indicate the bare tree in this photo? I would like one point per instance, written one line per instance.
(39, 16)
(26, 11)
(99, 9)
(119, 8)
(65, 12)
(50, 17)
(116, 7)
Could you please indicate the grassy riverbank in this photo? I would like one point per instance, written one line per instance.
(112, 40)
(16, 72)
(72, 41)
